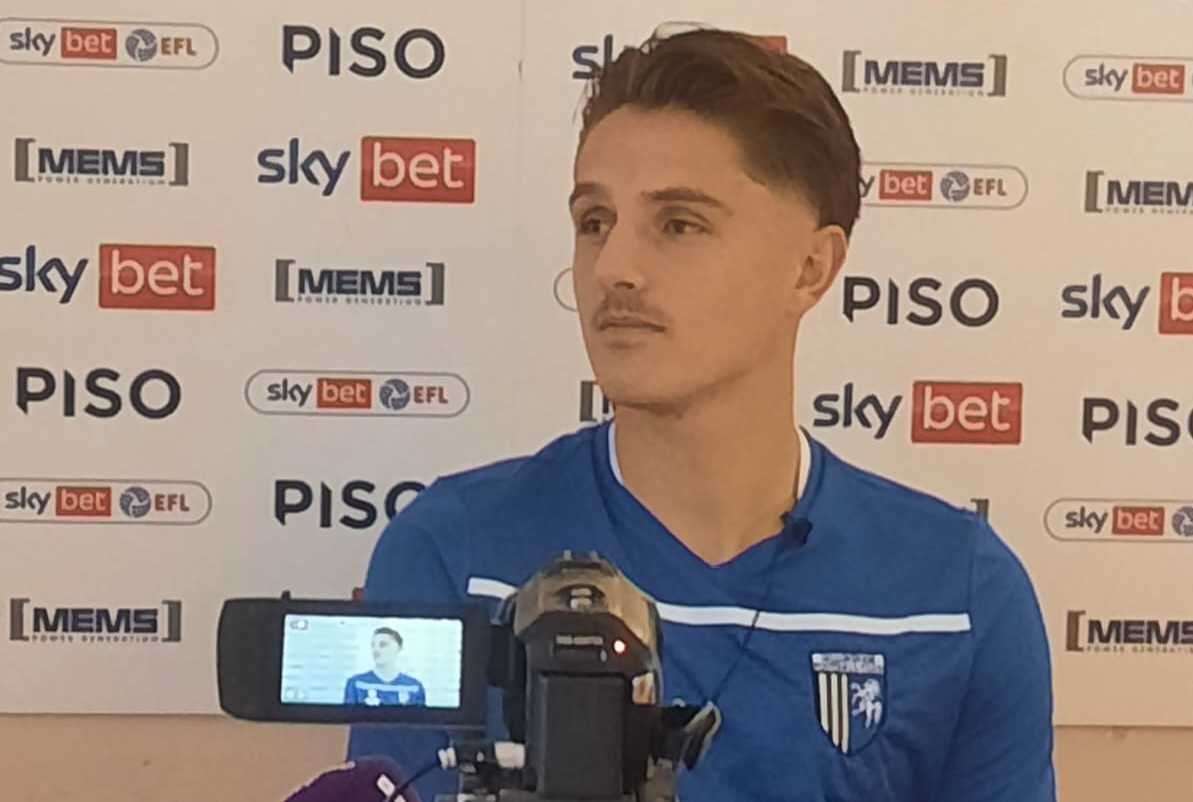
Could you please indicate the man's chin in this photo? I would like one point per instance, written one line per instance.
(646, 394)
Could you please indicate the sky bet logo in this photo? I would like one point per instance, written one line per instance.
(1121, 306)
(1129, 78)
(26, 273)
(1136, 196)
(152, 394)
(416, 53)
(43, 164)
(87, 624)
(80, 43)
(588, 59)
(294, 497)
(985, 78)
(1109, 520)
(972, 302)
(972, 413)
(161, 277)
(943, 186)
(403, 394)
(1166, 424)
(358, 287)
(103, 501)
(1121, 635)
(397, 169)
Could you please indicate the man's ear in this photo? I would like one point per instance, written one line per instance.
(824, 260)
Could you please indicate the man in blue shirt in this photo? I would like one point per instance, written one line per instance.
(865, 642)
(385, 684)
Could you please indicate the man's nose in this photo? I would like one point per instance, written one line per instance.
(621, 259)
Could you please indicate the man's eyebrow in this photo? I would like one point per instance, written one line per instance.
(582, 189)
(676, 194)
(686, 195)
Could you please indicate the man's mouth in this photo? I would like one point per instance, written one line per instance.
(626, 322)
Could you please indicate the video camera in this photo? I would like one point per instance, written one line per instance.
(575, 652)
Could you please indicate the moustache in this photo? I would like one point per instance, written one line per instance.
(627, 310)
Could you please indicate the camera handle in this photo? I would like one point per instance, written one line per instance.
(684, 736)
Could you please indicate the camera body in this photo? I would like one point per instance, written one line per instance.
(575, 652)
(582, 681)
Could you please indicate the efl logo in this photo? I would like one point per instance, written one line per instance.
(295, 496)
(1136, 196)
(1166, 422)
(163, 277)
(26, 273)
(89, 624)
(974, 413)
(169, 166)
(594, 406)
(1137, 520)
(1129, 78)
(337, 286)
(1116, 302)
(404, 394)
(426, 170)
(104, 501)
(1123, 635)
(972, 303)
(974, 78)
(108, 44)
(943, 186)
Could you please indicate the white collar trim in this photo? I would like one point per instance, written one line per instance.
(805, 459)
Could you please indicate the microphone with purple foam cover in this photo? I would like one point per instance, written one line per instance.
(369, 779)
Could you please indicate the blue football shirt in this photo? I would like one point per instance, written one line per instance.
(370, 689)
(899, 654)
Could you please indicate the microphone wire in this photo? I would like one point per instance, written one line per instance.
(418, 775)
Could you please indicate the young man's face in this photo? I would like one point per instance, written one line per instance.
(385, 651)
(688, 273)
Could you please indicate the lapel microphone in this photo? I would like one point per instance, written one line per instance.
(796, 530)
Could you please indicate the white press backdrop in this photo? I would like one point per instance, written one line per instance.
(502, 334)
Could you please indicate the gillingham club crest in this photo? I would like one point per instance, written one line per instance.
(850, 692)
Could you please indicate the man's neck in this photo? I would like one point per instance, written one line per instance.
(720, 475)
(387, 674)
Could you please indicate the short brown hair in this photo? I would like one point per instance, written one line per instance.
(393, 633)
(791, 127)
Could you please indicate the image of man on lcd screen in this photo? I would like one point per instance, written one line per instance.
(385, 684)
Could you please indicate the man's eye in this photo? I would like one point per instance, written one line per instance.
(677, 226)
(590, 225)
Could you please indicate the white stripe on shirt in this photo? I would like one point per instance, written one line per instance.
(776, 622)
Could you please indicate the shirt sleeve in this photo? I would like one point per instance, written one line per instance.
(417, 559)
(1002, 748)
(348, 700)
